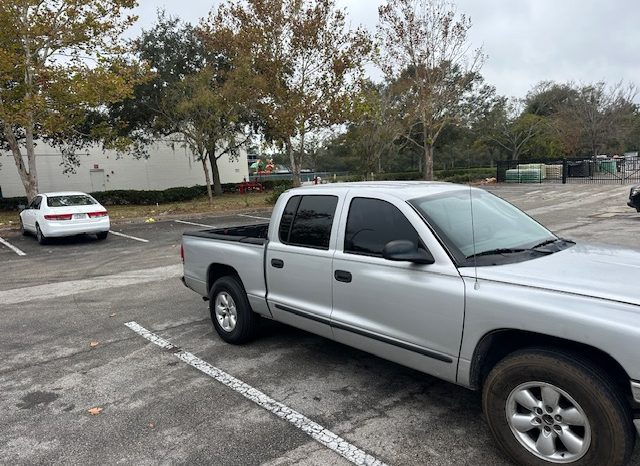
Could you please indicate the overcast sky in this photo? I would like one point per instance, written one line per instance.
(526, 41)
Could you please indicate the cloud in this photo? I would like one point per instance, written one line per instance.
(527, 41)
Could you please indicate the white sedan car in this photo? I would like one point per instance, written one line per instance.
(52, 215)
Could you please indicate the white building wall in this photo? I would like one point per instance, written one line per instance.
(166, 167)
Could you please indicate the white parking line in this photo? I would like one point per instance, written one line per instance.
(323, 436)
(253, 216)
(195, 224)
(130, 237)
(12, 247)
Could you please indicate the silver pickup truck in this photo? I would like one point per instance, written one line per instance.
(454, 282)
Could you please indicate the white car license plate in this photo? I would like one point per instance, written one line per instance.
(79, 216)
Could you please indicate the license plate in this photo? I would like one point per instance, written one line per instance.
(79, 216)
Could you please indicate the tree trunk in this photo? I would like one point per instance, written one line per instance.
(29, 178)
(428, 162)
(295, 168)
(31, 156)
(217, 185)
(29, 182)
(427, 144)
(207, 179)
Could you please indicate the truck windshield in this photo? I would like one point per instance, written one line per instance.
(502, 233)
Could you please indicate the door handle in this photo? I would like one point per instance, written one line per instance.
(342, 276)
(277, 263)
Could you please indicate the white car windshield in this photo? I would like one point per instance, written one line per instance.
(69, 201)
(498, 227)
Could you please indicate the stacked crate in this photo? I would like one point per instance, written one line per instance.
(526, 173)
(554, 172)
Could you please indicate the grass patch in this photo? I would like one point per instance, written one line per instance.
(8, 218)
(225, 203)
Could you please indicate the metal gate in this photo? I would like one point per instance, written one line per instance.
(576, 170)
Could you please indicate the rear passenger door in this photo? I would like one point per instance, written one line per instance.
(298, 262)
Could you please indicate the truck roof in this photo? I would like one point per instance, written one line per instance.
(401, 189)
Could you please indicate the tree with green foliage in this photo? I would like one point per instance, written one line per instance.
(307, 61)
(59, 61)
(513, 128)
(206, 111)
(197, 95)
(375, 129)
(424, 44)
(600, 118)
(547, 98)
(172, 51)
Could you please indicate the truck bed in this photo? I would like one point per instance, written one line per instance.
(253, 234)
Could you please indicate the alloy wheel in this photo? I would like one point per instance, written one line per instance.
(225, 310)
(548, 422)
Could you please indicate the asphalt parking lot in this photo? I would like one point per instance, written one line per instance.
(66, 350)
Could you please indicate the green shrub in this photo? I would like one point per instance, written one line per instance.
(134, 197)
(269, 185)
(12, 203)
(349, 178)
(401, 176)
(465, 175)
(275, 193)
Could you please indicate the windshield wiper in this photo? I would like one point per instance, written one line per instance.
(544, 243)
(551, 241)
(492, 252)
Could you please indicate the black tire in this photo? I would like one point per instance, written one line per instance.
(40, 236)
(102, 235)
(246, 321)
(612, 435)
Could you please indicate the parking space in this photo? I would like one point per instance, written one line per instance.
(67, 349)
(129, 246)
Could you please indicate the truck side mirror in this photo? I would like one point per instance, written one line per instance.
(405, 250)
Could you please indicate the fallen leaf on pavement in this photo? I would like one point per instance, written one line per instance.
(93, 344)
(95, 411)
(112, 315)
(152, 425)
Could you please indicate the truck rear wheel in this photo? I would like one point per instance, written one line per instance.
(546, 407)
(231, 313)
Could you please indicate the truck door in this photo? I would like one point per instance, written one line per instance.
(298, 262)
(408, 313)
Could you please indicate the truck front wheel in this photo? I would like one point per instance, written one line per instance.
(547, 407)
(232, 316)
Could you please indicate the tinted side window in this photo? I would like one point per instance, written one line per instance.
(312, 222)
(287, 218)
(372, 223)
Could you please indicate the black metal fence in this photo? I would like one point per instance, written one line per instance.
(576, 170)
